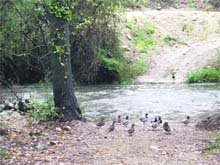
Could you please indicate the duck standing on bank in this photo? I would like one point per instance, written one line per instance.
(144, 119)
(166, 128)
(101, 122)
(159, 121)
(131, 130)
(154, 123)
(112, 127)
(187, 121)
(126, 122)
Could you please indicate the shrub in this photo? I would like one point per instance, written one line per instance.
(214, 3)
(204, 75)
(214, 147)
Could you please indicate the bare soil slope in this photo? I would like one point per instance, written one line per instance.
(197, 31)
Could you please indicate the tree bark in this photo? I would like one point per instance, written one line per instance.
(63, 90)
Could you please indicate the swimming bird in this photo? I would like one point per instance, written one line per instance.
(101, 122)
(166, 127)
(112, 127)
(131, 130)
(187, 121)
(173, 76)
(126, 122)
(144, 119)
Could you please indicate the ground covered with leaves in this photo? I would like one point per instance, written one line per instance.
(81, 143)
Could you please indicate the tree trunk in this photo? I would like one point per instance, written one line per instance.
(63, 90)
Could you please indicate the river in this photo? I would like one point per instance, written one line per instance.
(170, 100)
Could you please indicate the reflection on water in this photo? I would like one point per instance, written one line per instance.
(168, 100)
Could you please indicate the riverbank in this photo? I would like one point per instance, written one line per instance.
(84, 143)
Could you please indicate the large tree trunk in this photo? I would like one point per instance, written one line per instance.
(63, 90)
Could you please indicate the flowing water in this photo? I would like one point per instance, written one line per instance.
(170, 100)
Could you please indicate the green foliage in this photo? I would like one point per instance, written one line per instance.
(188, 27)
(214, 147)
(125, 70)
(132, 3)
(191, 4)
(4, 154)
(204, 75)
(143, 38)
(170, 40)
(215, 3)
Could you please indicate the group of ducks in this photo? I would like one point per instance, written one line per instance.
(154, 123)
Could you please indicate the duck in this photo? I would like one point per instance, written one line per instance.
(131, 130)
(112, 127)
(159, 121)
(166, 127)
(119, 119)
(126, 122)
(101, 122)
(173, 76)
(144, 119)
(154, 125)
(187, 121)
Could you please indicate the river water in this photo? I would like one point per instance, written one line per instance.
(170, 100)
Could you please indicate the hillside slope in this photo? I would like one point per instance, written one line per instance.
(198, 35)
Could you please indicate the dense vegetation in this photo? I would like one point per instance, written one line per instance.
(95, 47)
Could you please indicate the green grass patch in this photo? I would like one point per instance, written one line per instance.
(4, 153)
(214, 147)
(125, 70)
(204, 75)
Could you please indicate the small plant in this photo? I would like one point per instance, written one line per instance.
(191, 4)
(170, 40)
(214, 147)
(188, 27)
(4, 154)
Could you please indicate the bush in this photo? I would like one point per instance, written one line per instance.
(214, 3)
(204, 75)
(214, 147)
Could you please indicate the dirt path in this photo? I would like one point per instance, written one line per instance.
(85, 144)
(198, 31)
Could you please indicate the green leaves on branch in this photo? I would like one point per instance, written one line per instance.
(61, 10)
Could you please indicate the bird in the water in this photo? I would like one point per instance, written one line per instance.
(126, 122)
(187, 121)
(159, 121)
(144, 119)
(119, 119)
(173, 76)
(101, 122)
(112, 127)
(166, 127)
(131, 130)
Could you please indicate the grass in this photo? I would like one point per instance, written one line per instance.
(4, 154)
(188, 27)
(214, 147)
(204, 75)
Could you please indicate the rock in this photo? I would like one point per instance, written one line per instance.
(210, 123)
(52, 143)
(4, 132)
(58, 129)
(125, 48)
(8, 106)
(129, 36)
(66, 128)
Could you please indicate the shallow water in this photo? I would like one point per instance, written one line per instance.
(170, 100)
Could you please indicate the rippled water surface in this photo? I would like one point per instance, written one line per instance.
(168, 100)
